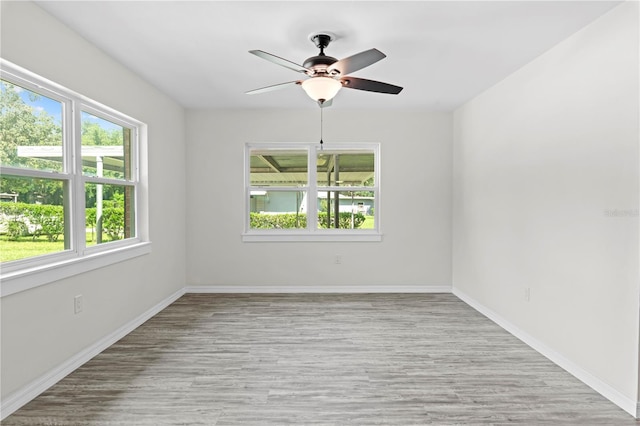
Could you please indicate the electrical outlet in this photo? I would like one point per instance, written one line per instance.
(77, 304)
(338, 260)
(527, 294)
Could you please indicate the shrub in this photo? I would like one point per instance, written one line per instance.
(290, 220)
(38, 219)
(22, 219)
(16, 229)
(90, 217)
(113, 222)
(51, 226)
(277, 220)
(48, 220)
(12, 209)
(344, 221)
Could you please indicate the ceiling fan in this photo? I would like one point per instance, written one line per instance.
(328, 74)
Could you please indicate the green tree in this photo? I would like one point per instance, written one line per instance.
(98, 132)
(23, 125)
(368, 182)
(95, 135)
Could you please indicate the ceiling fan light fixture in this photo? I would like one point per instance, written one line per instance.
(321, 88)
(328, 74)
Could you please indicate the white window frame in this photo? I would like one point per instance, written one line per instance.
(23, 274)
(311, 233)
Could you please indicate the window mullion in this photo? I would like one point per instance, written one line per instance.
(134, 175)
(38, 174)
(77, 197)
(108, 181)
(376, 185)
(247, 189)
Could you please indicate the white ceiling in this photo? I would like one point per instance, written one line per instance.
(442, 52)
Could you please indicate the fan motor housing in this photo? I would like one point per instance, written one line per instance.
(320, 63)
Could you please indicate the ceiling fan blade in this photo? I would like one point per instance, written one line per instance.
(271, 88)
(279, 61)
(369, 85)
(358, 61)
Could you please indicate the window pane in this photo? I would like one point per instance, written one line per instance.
(32, 217)
(345, 169)
(106, 148)
(109, 213)
(278, 209)
(278, 168)
(30, 129)
(354, 208)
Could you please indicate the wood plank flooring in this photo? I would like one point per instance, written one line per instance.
(319, 359)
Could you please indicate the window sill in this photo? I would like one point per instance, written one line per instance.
(257, 237)
(27, 278)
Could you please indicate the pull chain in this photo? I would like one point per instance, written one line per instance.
(321, 122)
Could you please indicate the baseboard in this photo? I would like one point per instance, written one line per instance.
(630, 406)
(44, 382)
(319, 289)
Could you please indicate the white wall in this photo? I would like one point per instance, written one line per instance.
(416, 165)
(39, 329)
(539, 159)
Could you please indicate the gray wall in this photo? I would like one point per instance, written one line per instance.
(541, 161)
(416, 158)
(39, 328)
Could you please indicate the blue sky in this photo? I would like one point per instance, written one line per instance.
(41, 103)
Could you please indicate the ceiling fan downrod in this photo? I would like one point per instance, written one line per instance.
(321, 41)
(319, 64)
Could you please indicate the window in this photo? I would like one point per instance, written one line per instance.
(305, 192)
(69, 180)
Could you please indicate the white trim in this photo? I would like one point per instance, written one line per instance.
(311, 233)
(27, 393)
(27, 278)
(30, 391)
(23, 274)
(630, 406)
(36, 174)
(287, 237)
(318, 289)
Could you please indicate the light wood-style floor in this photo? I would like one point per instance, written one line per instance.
(310, 359)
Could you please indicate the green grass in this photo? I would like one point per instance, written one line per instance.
(368, 223)
(26, 247)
